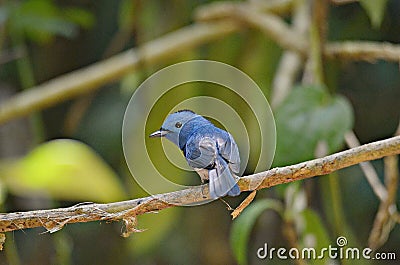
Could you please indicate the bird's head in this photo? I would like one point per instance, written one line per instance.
(173, 124)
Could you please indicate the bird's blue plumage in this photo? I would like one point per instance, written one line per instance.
(211, 151)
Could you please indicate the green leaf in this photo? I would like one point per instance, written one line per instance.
(63, 169)
(375, 10)
(79, 16)
(40, 20)
(243, 225)
(308, 118)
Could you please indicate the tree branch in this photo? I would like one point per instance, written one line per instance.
(291, 62)
(363, 51)
(387, 214)
(225, 9)
(54, 219)
(221, 23)
(92, 77)
(369, 171)
(270, 24)
(278, 30)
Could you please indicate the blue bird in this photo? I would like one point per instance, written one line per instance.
(212, 152)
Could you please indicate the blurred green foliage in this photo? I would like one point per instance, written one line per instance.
(242, 227)
(375, 11)
(64, 170)
(42, 20)
(61, 36)
(309, 116)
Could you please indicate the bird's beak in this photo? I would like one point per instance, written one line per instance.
(159, 133)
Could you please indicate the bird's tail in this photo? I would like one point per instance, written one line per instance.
(222, 181)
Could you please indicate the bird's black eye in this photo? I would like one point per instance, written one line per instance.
(178, 125)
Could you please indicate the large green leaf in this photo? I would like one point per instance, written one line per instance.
(308, 117)
(63, 169)
(375, 10)
(243, 225)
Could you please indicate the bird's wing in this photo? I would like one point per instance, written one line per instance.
(222, 181)
(230, 152)
(201, 152)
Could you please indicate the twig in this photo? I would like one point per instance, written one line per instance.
(269, 23)
(278, 31)
(223, 9)
(368, 169)
(55, 219)
(384, 222)
(274, 27)
(243, 204)
(343, 2)
(92, 77)
(387, 214)
(291, 62)
(314, 68)
(2, 240)
(363, 51)
(397, 130)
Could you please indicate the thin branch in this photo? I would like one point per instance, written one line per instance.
(92, 77)
(55, 219)
(397, 130)
(363, 51)
(224, 9)
(291, 62)
(246, 202)
(271, 25)
(387, 214)
(314, 67)
(343, 2)
(369, 171)
(275, 28)
(384, 223)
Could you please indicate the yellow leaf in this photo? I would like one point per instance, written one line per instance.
(63, 169)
